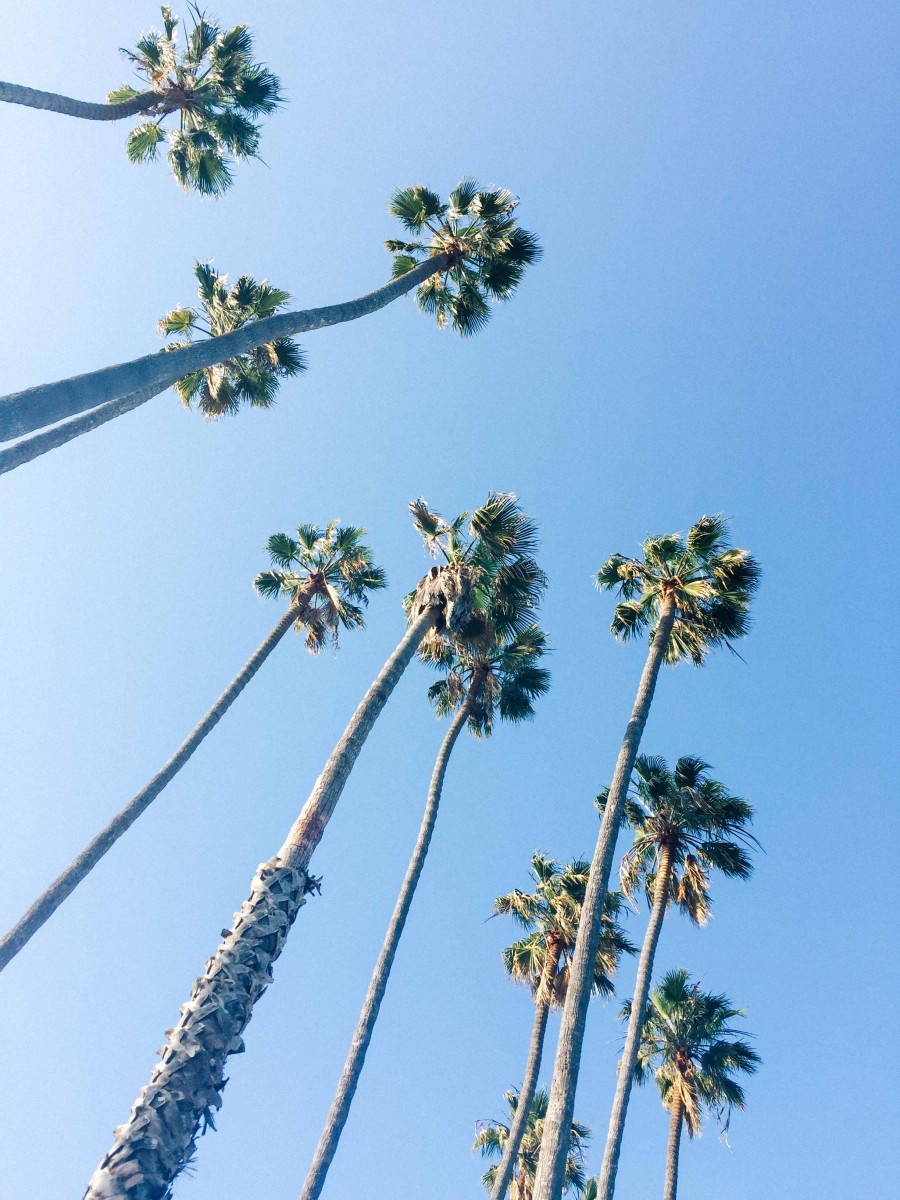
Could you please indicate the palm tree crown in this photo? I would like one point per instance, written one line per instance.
(550, 915)
(693, 1051)
(696, 819)
(251, 377)
(486, 251)
(217, 89)
(328, 573)
(711, 584)
(492, 1136)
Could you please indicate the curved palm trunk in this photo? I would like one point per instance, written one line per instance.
(625, 1077)
(346, 1089)
(176, 1106)
(548, 1183)
(523, 1108)
(14, 93)
(24, 412)
(62, 887)
(672, 1152)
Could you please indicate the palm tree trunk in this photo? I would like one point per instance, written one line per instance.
(176, 1106)
(343, 1097)
(523, 1108)
(14, 93)
(558, 1121)
(24, 412)
(625, 1076)
(79, 868)
(672, 1151)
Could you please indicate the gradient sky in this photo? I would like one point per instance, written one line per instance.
(713, 328)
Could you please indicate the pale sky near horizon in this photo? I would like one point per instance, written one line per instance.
(713, 328)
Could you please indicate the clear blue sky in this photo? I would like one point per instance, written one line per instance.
(713, 328)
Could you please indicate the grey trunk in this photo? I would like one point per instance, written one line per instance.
(24, 412)
(526, 1096)
(14, 93)
(346, 1089)
(62, 887)
(672, 1152)
(548, 1182)
(625, 1077)
(176, 1106)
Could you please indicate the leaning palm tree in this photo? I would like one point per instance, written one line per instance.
(157, 1141)
(694, 1053)
(326, 575)
(493, 1137)
(476, 250)
(691, 594)
(685, 825)
(541, 960)
(486, 675)
(212, 83)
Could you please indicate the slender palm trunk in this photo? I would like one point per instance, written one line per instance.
(672, 1151)
(625, 1076)
(343, 1097)
(81, 866)
(558, 1121)
(156, 1142)
(14, 93)
(24, 412)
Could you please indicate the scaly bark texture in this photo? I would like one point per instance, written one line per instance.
(346, 1089)
(24, 412)
(523, 1108)
(14, 93)
(672, 1152)
(625, 1077)
(549, 1179)
(63, 886)
(156, 1142)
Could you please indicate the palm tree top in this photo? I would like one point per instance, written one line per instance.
(253, 377)
(693, 1050)
(491, 1139)
(219, 92)
(711, 582)
(696, 819)
(327, 573)
(486, 251)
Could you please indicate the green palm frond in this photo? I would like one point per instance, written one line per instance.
(492, 1136)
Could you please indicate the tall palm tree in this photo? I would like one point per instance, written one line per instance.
(176, 1106)
(685, 825)
(541, 961)
(694, 1053)
(484, 677)
(474, 238)
(327, 575)
(493, 1137)
(210, 81)
(691, 594)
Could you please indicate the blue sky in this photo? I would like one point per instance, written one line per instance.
(713, 328)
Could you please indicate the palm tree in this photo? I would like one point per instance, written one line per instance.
(176, 1106)
(476, 238)
(691, 595)
(484, 676)
(327, 575)
(211, 82)
(541, 961)
(693, 1051)
(685, 825)
(493, 1136)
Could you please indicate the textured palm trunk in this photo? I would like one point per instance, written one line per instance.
(625, 1077)
(14, 93)
(62, 887)
(672, 1151)
(24, 412)
(507, 1165)
(343, 1097)
(176, 1106)
(558, 1121)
